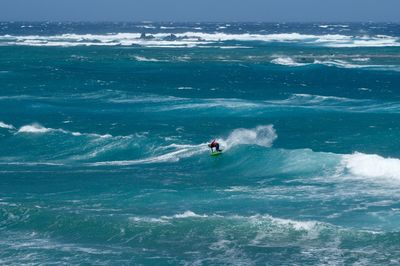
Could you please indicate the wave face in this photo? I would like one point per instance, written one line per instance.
(104, 131)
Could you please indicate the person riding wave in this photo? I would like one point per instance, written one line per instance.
(214, 144)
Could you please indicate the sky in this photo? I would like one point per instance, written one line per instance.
(201, 10)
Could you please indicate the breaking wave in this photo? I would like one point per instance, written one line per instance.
(191, 39)
(371, 166)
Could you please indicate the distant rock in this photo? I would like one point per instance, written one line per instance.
(146, 37)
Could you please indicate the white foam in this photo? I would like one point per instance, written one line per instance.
(147, 220)
(7, 126)
(34, 128)
(368, 41)
(186, 88)
(145, 59)
(364, 89)
(287, 61)
(146, 26)
(167, 28)
(256, 220)
(288, 223)
(371, 166)
(333, 26)
(189, 214)
(361, 59)
(167, 219)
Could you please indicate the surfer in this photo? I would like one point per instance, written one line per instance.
(214, 144)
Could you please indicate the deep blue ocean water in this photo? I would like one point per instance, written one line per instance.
(104, 130)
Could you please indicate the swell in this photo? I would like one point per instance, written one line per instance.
(95, 150)
(295, 101)
(217, 235)
(158, 103)
(67, 147)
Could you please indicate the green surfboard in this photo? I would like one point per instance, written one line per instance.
(216, 153)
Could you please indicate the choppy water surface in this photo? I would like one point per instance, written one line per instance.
(104, 131)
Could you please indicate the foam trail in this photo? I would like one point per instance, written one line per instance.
(183, 151)
(261, 136)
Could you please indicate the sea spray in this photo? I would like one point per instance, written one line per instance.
(261, 136)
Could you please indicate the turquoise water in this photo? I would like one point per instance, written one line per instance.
(104, 132)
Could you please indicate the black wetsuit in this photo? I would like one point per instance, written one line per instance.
(215, 145)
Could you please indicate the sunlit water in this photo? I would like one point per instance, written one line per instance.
(104, 132)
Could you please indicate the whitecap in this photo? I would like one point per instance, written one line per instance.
(287, 61)
(6, 126)
(371, 166)
(361, 59)
(189, 214)
(145, 59)
(34, 128)
(186, 88)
